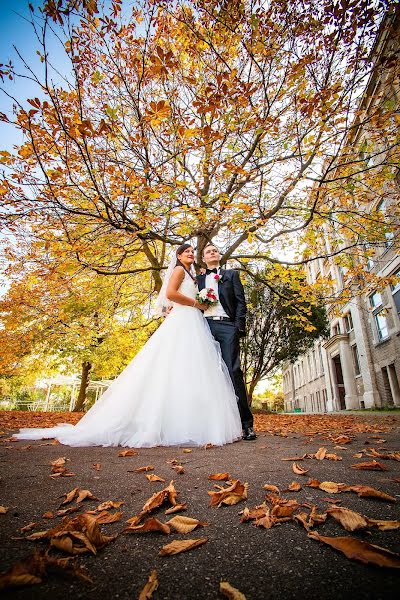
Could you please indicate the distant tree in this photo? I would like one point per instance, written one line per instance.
(281, 325)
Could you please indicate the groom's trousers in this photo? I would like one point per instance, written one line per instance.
(226, 333)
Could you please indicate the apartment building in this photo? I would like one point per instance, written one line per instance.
(359, 365)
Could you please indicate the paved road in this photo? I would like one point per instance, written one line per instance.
(276, 563)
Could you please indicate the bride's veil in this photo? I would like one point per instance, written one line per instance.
(162, 303)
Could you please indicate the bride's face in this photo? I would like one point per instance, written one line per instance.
(187, 257)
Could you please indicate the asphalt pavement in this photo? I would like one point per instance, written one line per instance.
(277, 563)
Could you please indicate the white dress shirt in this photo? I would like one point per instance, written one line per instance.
(217, 310)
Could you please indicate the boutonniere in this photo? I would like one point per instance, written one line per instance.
(218, 278)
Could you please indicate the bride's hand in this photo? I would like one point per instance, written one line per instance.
(199, 306)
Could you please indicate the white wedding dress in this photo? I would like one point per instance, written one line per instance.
(176, 391)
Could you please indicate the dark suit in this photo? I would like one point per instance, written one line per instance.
(227, 333)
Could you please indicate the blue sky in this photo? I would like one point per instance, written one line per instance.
(15, 30)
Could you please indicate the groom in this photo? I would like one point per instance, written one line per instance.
(227, 321)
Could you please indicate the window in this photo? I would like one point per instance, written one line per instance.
(341, 277)
(396, 293)
(356, 360)
(335, 329)
(348, 322)
(389, 235)
(321, 362)
(378, 315)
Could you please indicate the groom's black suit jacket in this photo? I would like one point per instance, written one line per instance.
(231, 296)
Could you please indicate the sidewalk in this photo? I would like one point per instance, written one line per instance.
(277, 563)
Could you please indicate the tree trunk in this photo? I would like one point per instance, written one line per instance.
(250, 391)
(86, 367)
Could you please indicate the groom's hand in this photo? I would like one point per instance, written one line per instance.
(202, 271)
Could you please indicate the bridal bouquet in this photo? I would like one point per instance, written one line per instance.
(207, 297)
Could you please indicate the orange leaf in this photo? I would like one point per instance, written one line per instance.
(219, 477)
(384, 525)
(105, 517)
(185, 524)
(150, 587)
(152, 477)
(85, 495)
(359, 550)
(28, 527)
(299, 470)
(179, 469)
(364, 491)
(109, 504)
(320, 454)
(151, 524)
(271, 488)
(373, 465)
(230, 495)
(144, 469)
(176, 508)
(226, 589)
(294, 487)
(129, 452)
(178, 546)
(349, 519)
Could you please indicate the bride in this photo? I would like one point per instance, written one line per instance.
(176, 390)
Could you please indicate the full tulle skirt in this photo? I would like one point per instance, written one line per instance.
(176, 391)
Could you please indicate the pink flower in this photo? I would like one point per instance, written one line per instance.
(218, 277)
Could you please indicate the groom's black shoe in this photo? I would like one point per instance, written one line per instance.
(248, 434)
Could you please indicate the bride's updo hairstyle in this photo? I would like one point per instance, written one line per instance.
(179, 251)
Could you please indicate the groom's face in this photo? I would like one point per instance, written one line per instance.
(211, 256)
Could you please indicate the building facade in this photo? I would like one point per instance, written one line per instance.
(359, 365)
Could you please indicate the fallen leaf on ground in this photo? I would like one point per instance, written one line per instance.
(3, 510)
(33, 569)
(179, 469)
(105, 517)
(359, 550)
(320, 454)
(294, 487)
(349, 519)
(96, 466)
(373, 465)
(185, 524)
(299, 470)
(384, 525)
(109, 504)
(144, 469)
(152, 477)
(230, 495)
(226, 589)
(187, 450)
(59, 462)
(151, 524)
(271, 488)
(294, 458)
(66, 511)
(85, 495)
(48, 515)
(129, 452)
(69, 496)
(150, 587)
(331, 487)
(28, 527)
(178, 546)
(364, 491)
(255, 513)
(219, 477)
(176, 508)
